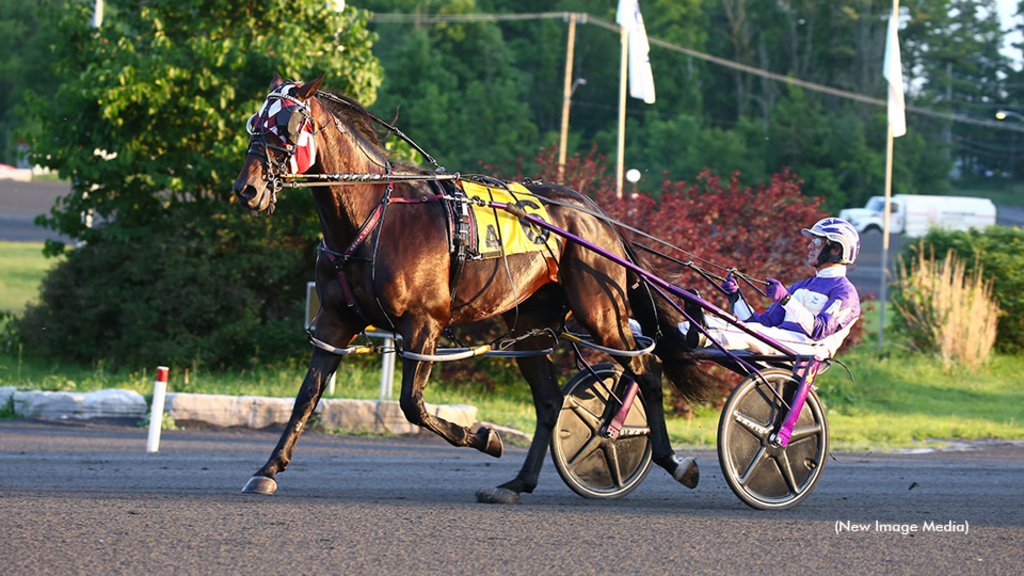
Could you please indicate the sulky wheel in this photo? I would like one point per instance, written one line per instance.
(764, 476)
(592, 464)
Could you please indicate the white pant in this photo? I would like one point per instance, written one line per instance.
(732, 338)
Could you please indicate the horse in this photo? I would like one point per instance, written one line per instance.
(396, 270)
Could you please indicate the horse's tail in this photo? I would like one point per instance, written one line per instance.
(660, 320)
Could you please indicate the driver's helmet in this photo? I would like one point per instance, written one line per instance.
(838, 232)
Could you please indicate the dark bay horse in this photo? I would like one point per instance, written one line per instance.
(399, 275)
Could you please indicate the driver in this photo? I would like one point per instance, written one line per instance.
(811, 317)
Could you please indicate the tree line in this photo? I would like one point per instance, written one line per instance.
(491, 92)
(494, 89)
(145, 118)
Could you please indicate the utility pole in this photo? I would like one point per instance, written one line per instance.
(566, 96)
(623, 76)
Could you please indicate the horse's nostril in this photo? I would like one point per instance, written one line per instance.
(247, 193)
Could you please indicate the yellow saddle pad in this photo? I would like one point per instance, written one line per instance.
(500, 233)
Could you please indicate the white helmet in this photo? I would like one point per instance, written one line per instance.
(840, 233)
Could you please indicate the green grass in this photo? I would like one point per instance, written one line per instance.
(899, 399)
(22, 267)
(902, 400)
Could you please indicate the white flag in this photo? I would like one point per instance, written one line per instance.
(893, 72)
(97, 14)
(641, 80)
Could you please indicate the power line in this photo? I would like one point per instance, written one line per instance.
(584, 18)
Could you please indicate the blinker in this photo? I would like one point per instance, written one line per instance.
(289, 121)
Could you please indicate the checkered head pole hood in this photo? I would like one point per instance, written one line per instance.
(284, 123)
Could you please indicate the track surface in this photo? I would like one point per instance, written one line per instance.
(87, 499)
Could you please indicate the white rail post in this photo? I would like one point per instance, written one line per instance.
(156, 410)
(387, 369)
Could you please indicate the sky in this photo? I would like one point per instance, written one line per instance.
(1007, 8)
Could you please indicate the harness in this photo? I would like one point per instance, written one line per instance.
(286, 118)
(459, 229)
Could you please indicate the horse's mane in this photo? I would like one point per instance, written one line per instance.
(361, 121)
(354, 116)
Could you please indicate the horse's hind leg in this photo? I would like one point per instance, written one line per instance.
(598, 300)
(539, 371)
(422, 339)
(648, 377)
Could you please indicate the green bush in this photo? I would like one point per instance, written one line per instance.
(228, 295)
(999, 251)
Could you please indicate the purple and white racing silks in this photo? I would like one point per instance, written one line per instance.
(820, 306)
(815, 320)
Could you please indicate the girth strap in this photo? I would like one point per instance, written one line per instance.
(462, 241)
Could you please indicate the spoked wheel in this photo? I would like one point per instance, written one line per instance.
(592, 464)
(762, 475)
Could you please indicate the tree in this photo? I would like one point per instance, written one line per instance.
(953, 52)
(150, 108)
(456, 87)
(23, 42)
(148, 126)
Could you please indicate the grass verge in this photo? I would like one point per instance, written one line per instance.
(1000, 190)
(22, 267)
(900, 398)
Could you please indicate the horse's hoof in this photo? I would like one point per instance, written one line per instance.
(260, 485)
(497, 496)
(492, 445)
(687, 473)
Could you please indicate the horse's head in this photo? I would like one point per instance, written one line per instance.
(282, 142)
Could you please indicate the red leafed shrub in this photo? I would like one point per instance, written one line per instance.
(755, 229)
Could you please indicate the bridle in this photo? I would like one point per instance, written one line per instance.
(284, 124)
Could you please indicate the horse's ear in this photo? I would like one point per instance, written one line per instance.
(309, 88)
(277, 81)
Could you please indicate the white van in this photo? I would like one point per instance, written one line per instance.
(913, 215)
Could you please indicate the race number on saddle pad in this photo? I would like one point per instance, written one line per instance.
(501, 233)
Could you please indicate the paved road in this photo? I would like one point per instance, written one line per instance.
(866, 274)
(88, 500)
(21, 202)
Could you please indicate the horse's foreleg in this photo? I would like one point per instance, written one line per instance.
(414, 380)
(321, 367)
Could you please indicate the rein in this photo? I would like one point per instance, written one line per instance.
(353, 179)
(394, 130)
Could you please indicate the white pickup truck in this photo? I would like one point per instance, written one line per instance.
(913, 215)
